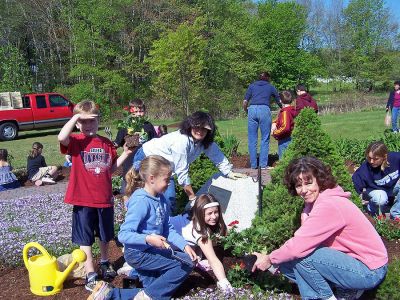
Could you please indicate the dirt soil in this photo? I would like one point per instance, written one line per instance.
(14, 282)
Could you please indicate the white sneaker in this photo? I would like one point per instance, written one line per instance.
(142, 296)
(48, 180)
(125, 269)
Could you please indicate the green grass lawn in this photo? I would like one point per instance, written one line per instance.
(357, 125)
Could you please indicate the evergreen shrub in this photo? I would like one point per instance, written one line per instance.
(281, 213)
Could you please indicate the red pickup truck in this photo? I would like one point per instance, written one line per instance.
(32, 111)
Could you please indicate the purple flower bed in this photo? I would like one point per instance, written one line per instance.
(236, 294)
(45, 219)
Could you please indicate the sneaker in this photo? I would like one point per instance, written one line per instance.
(125, 269)
(101, 290)
(48, 180)
(342, 294)
(91, 281)
(107, 271)
(141, 296)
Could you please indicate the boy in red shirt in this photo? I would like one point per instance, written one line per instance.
(94, 159)
(282, 127)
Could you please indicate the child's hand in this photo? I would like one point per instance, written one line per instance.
(127, 150)
(191, 252)
(273, 127)
(156, 240)
(87, 116)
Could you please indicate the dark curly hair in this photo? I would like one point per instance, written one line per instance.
(310, 167)
(198, 119)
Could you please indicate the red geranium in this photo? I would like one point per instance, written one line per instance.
(233, 223)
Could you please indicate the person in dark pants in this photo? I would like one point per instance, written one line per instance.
(256, 103)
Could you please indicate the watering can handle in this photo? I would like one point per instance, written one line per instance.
(37, 246)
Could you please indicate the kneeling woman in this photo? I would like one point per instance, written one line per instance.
(335, 246)
(196, 228)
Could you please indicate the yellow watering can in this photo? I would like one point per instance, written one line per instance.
(44, 277)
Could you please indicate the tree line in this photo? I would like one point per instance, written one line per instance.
(184, 55)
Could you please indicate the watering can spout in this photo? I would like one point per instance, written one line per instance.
(77, 257)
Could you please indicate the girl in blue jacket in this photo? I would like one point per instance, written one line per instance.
(147, 235)
(377, 179)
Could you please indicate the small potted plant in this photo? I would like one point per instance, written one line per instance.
(135, 132)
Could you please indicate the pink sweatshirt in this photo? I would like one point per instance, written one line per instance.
(335, 222)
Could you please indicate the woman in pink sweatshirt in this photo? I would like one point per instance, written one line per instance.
(335, 247)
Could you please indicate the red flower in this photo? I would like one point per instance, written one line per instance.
(233, 223)
(242, 265)
(126, 108)
(397, 219)
(381, 217)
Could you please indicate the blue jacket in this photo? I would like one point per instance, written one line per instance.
(147, 215)
(260, 92)
(390, 101)
(375, 179)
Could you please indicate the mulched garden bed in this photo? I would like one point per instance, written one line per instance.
(14, 282)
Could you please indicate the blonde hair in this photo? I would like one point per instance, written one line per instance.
(36, 146)
(152, 165)
(86, 107)
(379, 149)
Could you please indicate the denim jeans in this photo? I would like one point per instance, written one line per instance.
(160, 273)
(395, 115)
(395, 209)
(259, 116)
(315, 273)
(282, 145)
(377, 202)
(170, 193)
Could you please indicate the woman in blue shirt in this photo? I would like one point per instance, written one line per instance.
(182, 147)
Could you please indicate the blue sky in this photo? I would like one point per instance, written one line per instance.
(393, 5)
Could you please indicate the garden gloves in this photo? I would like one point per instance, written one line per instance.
(234, 176)
(224, 285)
(190, 204)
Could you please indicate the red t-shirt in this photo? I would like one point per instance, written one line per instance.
(90, 178)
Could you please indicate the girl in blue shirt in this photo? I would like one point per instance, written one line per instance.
(147, 235)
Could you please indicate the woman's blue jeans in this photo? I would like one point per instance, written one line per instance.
(326, 267)
(259, 116)
(160, 273)
(170, 193)
(395, 115)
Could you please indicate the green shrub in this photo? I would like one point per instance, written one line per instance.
(231, 144)
(281, 214)
(389, 288)
(350, 149)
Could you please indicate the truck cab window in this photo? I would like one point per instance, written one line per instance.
(57, 101)
(25, 102)
(41, 102)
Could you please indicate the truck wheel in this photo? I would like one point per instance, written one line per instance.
(8, 131)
